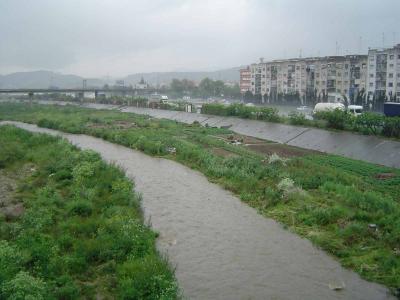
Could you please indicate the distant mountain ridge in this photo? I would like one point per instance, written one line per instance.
(46, 79)
(155, 78)
(43, 79)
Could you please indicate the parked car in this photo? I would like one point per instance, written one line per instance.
(355, 109)
(302, 108)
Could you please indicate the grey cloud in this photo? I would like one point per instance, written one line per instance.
(118, 37)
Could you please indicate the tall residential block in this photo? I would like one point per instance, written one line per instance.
(309, 79)
(245, 80)
(383, 79)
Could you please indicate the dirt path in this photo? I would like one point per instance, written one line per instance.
(222, 248)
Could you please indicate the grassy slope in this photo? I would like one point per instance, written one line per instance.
(82, 232)
(333, 201)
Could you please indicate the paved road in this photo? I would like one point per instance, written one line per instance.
(222, 248)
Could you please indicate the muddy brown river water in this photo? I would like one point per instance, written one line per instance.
(223, 249)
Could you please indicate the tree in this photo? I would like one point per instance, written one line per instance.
(248, 96)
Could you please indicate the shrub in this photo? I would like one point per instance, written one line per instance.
(80, 207)
(9, 154)
(24, 287)
(66, 288)
(268, 114)
(325, 216)
(369, 122)
(149, 278)
(11, 261)
(46, 123)
(242, 111)
(296, 118)
(337, 119)
(354, 233)
(391, 127)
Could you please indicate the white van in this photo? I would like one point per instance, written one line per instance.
(355, 109)
(320, 107)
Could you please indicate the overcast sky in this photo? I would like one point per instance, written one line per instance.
(120, 37)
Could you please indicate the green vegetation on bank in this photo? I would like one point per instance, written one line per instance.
(81, 234)
(366, 123)
(349, 208)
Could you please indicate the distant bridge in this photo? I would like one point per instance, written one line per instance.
(79, 91)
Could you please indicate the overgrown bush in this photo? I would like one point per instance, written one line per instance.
(24, 287)
(370, 123)
(296, 118)
(337, 119)
(242, 111)
(391, 127)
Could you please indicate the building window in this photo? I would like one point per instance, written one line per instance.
(371, 84)
(371, 66)
(346, 73)
(391, 65)
(398, 84)
(338, 91)
(391, 57)
(390, 84)
(346, 66)
(371, 75)
(390, 75)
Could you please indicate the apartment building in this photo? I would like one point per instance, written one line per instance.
(309, 79)
(345, 75)
(383, 80)
(245, 80)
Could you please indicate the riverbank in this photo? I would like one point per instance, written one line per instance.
(347, 207)
(221, 247)
(372, 149)
(71, 226)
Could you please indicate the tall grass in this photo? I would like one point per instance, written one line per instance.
(81, 234)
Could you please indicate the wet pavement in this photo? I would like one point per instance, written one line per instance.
(221, 247)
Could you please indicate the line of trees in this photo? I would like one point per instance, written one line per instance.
(205, 89)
